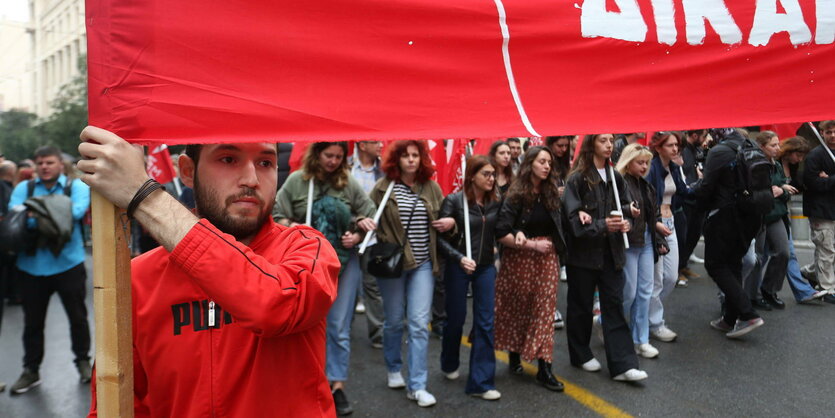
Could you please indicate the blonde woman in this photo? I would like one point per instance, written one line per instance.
(646, 244)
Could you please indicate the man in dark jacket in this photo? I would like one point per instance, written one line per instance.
(728, 234)
(693, 155)
(819, 207)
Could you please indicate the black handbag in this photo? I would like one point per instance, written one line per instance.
(385, 259)
(14, 236)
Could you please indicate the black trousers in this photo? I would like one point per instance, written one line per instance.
(727, 238)
(695, 222)
(617, 338)
(36, 292)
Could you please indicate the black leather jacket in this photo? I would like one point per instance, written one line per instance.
(482, 230)
(644, 194)
(586, 243)
(514, 217)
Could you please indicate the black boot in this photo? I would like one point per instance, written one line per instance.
(544, 377)
(514, 362)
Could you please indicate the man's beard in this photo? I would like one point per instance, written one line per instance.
(216, 212)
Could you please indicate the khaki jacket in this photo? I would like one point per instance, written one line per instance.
(391, 227)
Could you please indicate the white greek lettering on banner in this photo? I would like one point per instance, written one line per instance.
(629, 24)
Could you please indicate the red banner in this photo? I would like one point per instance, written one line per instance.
(241, 70)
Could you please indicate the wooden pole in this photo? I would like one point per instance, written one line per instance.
(112, 305)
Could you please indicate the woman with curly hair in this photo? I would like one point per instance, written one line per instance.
(530, 229)
(343, 213)
(596, 258)
(500, 159)
(410, 220)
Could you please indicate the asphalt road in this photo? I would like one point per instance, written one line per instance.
(782, 369)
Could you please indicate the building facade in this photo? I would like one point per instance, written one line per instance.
(16, 66)
(59, 39)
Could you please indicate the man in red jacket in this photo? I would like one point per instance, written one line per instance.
(229, 314)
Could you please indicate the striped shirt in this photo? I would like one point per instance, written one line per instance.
(418, 229)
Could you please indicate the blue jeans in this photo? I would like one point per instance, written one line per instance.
(338, 348)
(639, 272)
(408, 297)
(482, 356)
(666, 275)
(800, 288)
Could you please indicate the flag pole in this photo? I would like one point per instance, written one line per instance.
(467, 242)
(112, 309)
(309, 215)
(377, 217)
(617, 200)
(820, 138)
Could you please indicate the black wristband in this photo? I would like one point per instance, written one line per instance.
(147, 188)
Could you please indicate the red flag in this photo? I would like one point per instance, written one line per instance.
(783, 130)
(451, 177)
(159, 165)
(297, 155)
(482, 146)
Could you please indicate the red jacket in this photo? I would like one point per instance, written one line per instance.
(225, 330)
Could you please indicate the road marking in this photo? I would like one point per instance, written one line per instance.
(583, 396)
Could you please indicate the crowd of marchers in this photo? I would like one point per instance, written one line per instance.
(615, 217)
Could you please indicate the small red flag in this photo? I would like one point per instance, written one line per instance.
(783, 130)
(159, 165)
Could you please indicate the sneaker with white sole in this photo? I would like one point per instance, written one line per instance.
(563, 274)
(28, 379)
(490, 395)
(452, 375)
(697, 260)
(360, 308)
(631, 375)
(664, 334)
(815, 296)
(721, 325)
(423, 398)
(395, 380)
(592, 365)
(646, 350)
(743, 327)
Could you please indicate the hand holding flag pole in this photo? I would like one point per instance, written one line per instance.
(617, 199)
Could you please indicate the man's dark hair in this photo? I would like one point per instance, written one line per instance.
(827, 124)
(193, 152)
(47, 151)
(513, 139)
(698, 132)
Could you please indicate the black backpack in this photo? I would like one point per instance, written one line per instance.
(753, 178)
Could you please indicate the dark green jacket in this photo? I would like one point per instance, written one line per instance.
(781, 209)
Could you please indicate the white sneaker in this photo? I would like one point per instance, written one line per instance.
(592, 365)
(697, 260)
(631, 375)
(646, 350)
(422, 397)
(664, 334)
(490, 395)
(563, 275)
(452, 375)
(395, 380)
(360, 308)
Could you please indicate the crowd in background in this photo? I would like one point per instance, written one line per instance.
(617, 217)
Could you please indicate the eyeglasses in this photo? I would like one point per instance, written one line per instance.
(487, 174)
